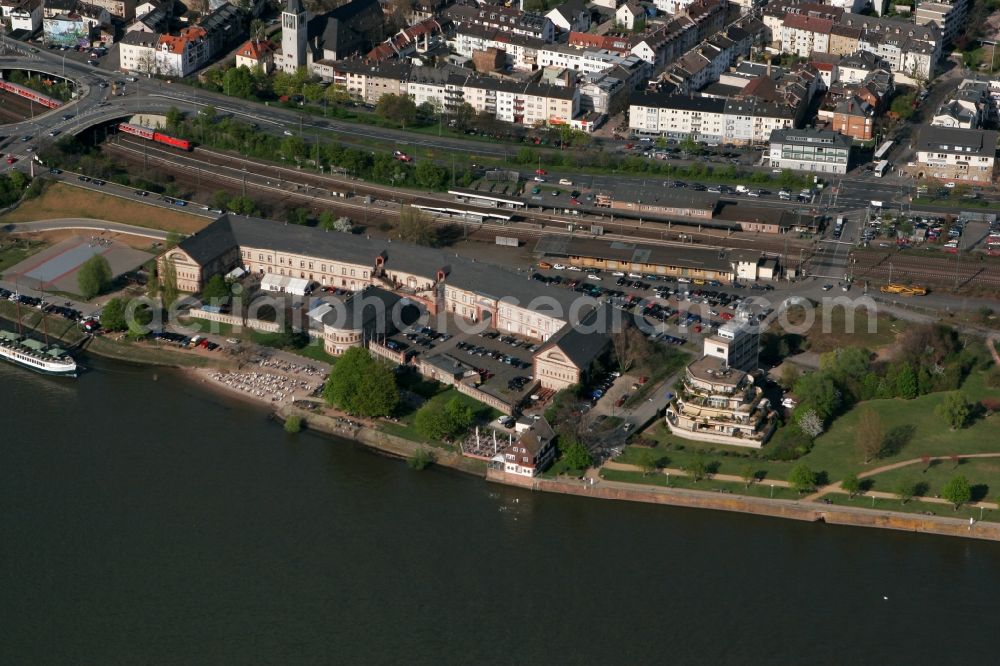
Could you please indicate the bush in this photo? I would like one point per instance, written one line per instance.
(293, 424)
(421, 459)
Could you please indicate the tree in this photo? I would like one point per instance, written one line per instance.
(174, 118)
(851, 484)
(648, 461)
(790, 373)
(955, 410)
(905, 489)
(810, 423)
(870, 435)
(576, 456)
(415, 227)
(215, 291)
(748, 473)
(94, 277)
(293, 424)
(957, 491)
(623, 349)
(696, 468)
(906, 382)
(397, 108)
(801, 478)
(690, 146)
(436, 421)
(818, 391)
(299, 216)
(113, 315)
(429, 175)
(170, 291)
(902, 106)
(238, 82)
(360, 385)
(327, 220)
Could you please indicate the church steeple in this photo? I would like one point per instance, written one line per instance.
(294, 33)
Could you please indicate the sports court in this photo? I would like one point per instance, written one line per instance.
(55, 268)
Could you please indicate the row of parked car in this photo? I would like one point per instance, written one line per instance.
(184, 341)
(474, 350)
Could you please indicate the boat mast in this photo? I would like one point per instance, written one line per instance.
(17, 304)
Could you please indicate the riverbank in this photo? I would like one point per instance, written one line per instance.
(760, 506)
(109, 345)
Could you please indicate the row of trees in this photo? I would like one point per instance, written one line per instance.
(226, 133)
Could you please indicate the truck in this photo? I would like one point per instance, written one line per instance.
(742, 189)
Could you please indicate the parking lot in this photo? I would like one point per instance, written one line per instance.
(672, 309)
(504, 362)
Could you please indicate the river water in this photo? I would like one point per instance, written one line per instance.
(144, 520)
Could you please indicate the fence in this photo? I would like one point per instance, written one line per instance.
(234, 320)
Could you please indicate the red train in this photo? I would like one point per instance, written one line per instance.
(28, 93)
(153, 135)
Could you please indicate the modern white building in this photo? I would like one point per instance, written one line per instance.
(812, 150)
(736, 344)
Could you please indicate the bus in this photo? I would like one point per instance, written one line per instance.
(881, 168)
(882, 152)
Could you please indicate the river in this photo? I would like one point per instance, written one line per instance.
(144, 520)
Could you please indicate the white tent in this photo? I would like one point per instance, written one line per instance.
(284, 284)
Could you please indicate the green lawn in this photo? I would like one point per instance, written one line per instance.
(835, 329)
(754, 490)
(407, 430)
(983, 475)
(678, 452)
(15, 252)
(912, 506)
(919, 429)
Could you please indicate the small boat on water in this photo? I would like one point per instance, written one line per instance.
(35, 355)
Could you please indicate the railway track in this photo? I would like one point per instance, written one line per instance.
(337, 191)
(945, 271)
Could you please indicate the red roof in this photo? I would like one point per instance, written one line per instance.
(256, 50)
(809, 23)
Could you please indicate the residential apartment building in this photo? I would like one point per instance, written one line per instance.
(956, 155)
(521, 51)
(123, 9)
(949, 17)
(952, 114)
(504, 19)
(256, 53)
(26, 16)
(722, 405)
(742, 121)
(819, 151)
(802, 34)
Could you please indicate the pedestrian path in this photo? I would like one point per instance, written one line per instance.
(625, 467)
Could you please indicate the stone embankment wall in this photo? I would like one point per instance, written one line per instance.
(699, 499)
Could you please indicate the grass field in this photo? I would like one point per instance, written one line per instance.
(983, 475)
(15, 252)
(913, 506)
(754, 490)
(833, 330)
(407, 430)
(65, 201)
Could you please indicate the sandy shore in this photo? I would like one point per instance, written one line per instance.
(262, 386)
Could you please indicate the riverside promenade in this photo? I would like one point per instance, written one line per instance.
(592, 486)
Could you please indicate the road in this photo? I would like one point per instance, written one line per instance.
(95, 105)
(83, 223)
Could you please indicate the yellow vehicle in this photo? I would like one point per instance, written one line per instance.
(903, 290)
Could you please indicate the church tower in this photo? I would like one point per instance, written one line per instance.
(294, 31)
